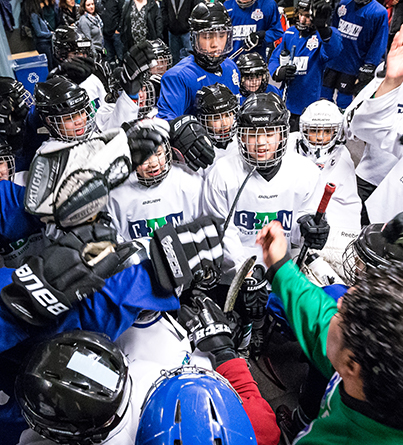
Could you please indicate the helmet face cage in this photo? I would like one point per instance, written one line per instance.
(74, 126)
(7, 166)
(320, 128)
(147, 98)
(156, 168)
(254, 82)
(221, 127)
(263, 147)
(164, 62)
(221, 36)
(245, 4)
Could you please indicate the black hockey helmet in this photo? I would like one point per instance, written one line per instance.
(163, 56)
(263, 114)
(59, 100)
(253, 69)
(67, 40)
(7, 161)
(376, 246)
(74, 388)
(217, 103)
(212, 19)
(303, 6)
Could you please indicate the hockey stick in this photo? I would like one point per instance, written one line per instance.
(238, 195)
(292, 54)
(237, 53)
(237, 283)
(329, 190)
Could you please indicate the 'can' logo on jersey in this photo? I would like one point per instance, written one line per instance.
(257, 15)
(147, 227)
(349, 30)
(248, 221)
(342, 10)
(312, 43)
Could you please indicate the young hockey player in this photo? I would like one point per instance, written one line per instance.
(315, 44)
(255, 75)
(376, 118)
(211, 34)
(321, 140)
(356, 343)
(158, 191)
(262, 140)
(163, 56)
(256, 24)
(363, 25)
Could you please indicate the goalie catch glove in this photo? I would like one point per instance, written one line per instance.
(187, 253)
(315, 235)
(137, 61)
(191, 139)
(208, 328)
(67, 271)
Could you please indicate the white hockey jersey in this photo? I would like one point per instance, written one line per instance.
(290, 194)
(137, 210)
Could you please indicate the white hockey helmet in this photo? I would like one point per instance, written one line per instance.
(321, 128)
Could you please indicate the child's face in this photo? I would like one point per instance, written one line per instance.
(73, 125)
(262, 144)
(252, 82)
(320, 136)
(154, 165)
(4, 173)
(220, 124)
(212, 42)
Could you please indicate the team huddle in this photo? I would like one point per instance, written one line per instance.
(158, 221)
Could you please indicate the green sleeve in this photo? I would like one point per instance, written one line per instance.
(309, 310)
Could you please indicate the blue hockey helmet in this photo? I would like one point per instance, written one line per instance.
(188, 403)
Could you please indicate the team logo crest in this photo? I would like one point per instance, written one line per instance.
(342, 10)
(312, 43)
(257, 15)
(235, 77)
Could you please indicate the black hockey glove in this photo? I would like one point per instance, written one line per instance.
(286, 73)
(67, 271)
(208, 328)
(191, 139)
(136, 62)
(365, 75)
(315, 235)
(321, 13)
(77, 69)
(254, 39)
(187, 253)
(145, 137)
(251, 305)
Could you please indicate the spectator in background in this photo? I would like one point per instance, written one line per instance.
(175, 14)
(69, 12)
(110, 12)
(43, 21)
(141, 20)
(90, 24)
(396, 21)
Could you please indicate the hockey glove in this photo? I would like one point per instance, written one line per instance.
(135, 63)
(286, 73)
(315, 235)
(321, 13)
(252, 301)
(145, 137)
(67, 271)
(254, 39)
(187, 253)
(208, 328)
(191, 139)
(365, 75)
(77, 69)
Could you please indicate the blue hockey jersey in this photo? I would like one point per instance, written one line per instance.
(365, 34)
(311, 58)
(180, 84)
(263, 15)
